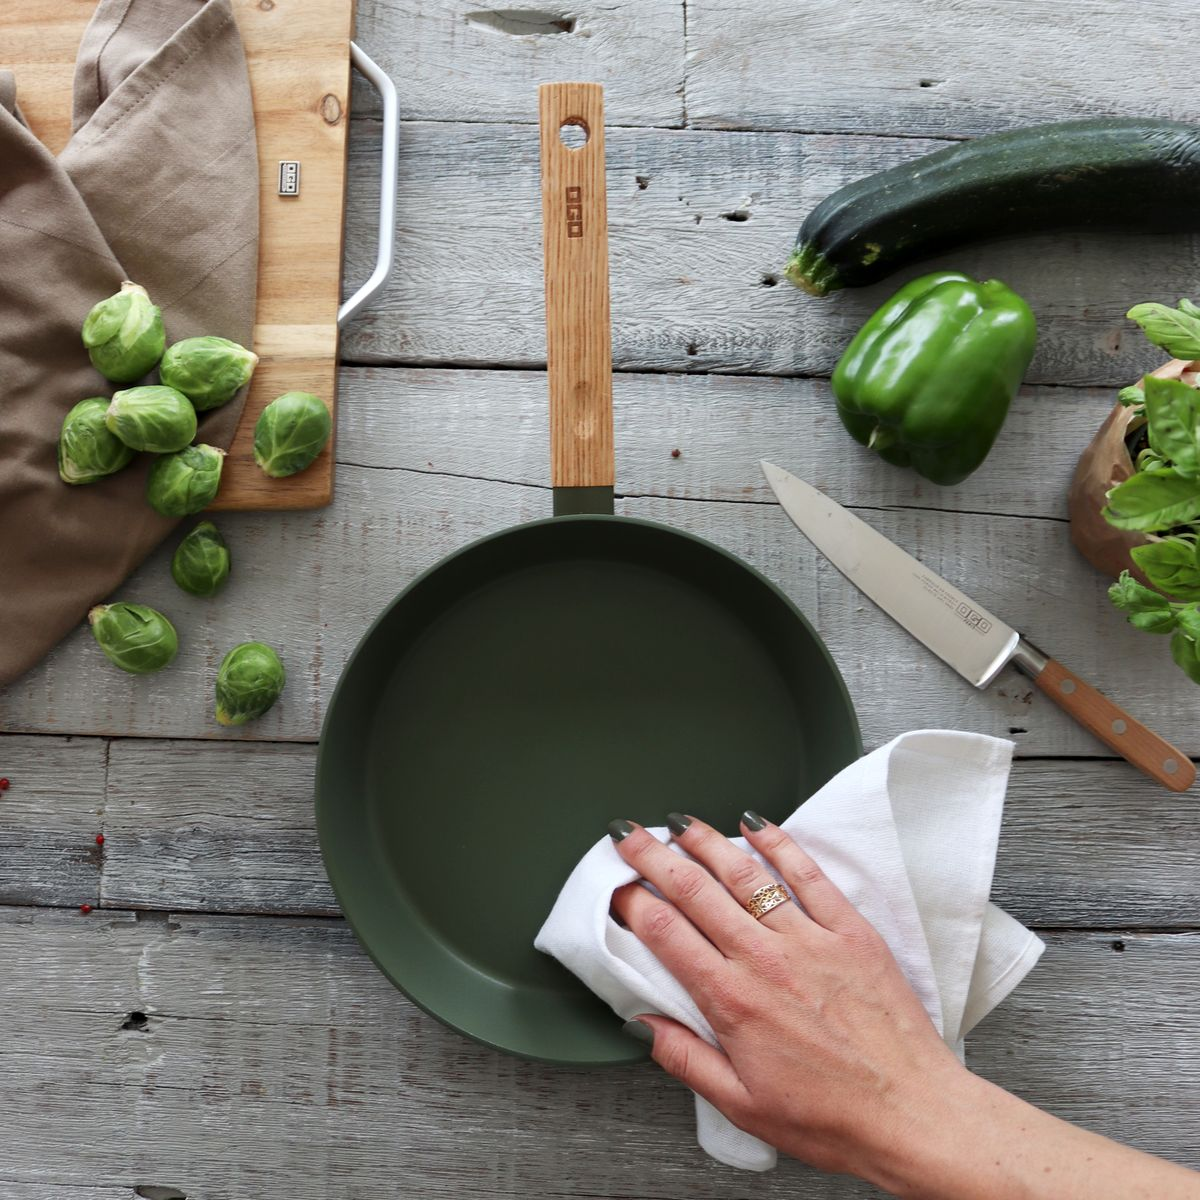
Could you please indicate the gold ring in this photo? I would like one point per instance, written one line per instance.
(766, 898)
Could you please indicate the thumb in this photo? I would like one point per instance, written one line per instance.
(691, 1060)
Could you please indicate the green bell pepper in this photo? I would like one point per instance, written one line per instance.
(927, 381)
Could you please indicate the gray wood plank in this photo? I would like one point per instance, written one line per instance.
(311, 582)
(229, 827)
(213, 826)
(927, 66)
(493, 425)
(49, 818)
(696, 255)
(468, 60)
(11, 1189)
(273, 1058)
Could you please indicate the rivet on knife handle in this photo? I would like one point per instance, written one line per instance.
(1113, 725)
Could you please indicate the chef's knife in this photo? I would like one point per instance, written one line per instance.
(960, 631)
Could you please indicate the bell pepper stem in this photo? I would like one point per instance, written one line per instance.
(881, 438)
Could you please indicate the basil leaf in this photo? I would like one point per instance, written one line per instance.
(1178, 333)
(1173, 414)
(1189, 621)
(1189, 309)
(1155, 622)
(1154, 500)
(1171, 565)
(1130, 596)
(1130, 395)
(1143, 608)
(1148, 460)
(1184, 652)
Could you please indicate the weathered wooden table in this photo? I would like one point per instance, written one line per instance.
(211, 1030)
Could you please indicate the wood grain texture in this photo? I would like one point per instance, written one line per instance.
(493, 425)
(470, 60)
(386, 526)
(311, 583)
(49, 817)
(927, 66)
(228, 827)
(11, 1189)
(216, 827)
(272, 1052)
(1116, 728)
(40, 39)
(700, 225)
(219, 1056)
(297, 53)
(575, 254)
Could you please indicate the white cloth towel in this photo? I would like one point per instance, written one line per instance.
(909, 834)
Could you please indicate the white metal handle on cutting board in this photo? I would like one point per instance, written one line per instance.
(387, 183)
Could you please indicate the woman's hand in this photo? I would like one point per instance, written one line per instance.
(828, 1054)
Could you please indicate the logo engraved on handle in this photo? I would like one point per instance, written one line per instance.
(574, 212)
(289, 177)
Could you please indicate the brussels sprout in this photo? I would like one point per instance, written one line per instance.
(207, 370)
(87, 450)
(124, 334)
(201, 562)
(136, 638)
(183, 483)
(291, 432)
(249, 681)
(154, 418)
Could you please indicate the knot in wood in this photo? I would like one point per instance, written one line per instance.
(331, 109)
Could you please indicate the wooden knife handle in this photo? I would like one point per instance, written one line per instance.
(1116, 728)
(578, 332)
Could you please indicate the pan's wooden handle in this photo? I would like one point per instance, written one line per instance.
(1116, 728)
(578, 334)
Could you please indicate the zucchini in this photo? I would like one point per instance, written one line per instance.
(1114, 173)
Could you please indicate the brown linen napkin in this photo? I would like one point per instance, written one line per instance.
(159, 184)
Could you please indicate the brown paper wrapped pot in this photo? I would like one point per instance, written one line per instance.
(1103, 465)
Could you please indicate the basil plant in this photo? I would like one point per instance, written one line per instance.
(1162, 498)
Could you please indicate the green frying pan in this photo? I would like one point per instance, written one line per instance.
(534, 685)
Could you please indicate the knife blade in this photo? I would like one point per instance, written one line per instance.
(961, 631)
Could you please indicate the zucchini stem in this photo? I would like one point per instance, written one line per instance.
(808, 270)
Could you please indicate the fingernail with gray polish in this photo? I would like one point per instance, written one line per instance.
(619, 830)
(677, 823)
(640, 1031)
(752, 821)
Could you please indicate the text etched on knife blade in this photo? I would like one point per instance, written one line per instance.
(953, 601)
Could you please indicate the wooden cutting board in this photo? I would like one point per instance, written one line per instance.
(298, 53)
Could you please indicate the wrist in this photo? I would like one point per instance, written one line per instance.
(948, 1119)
